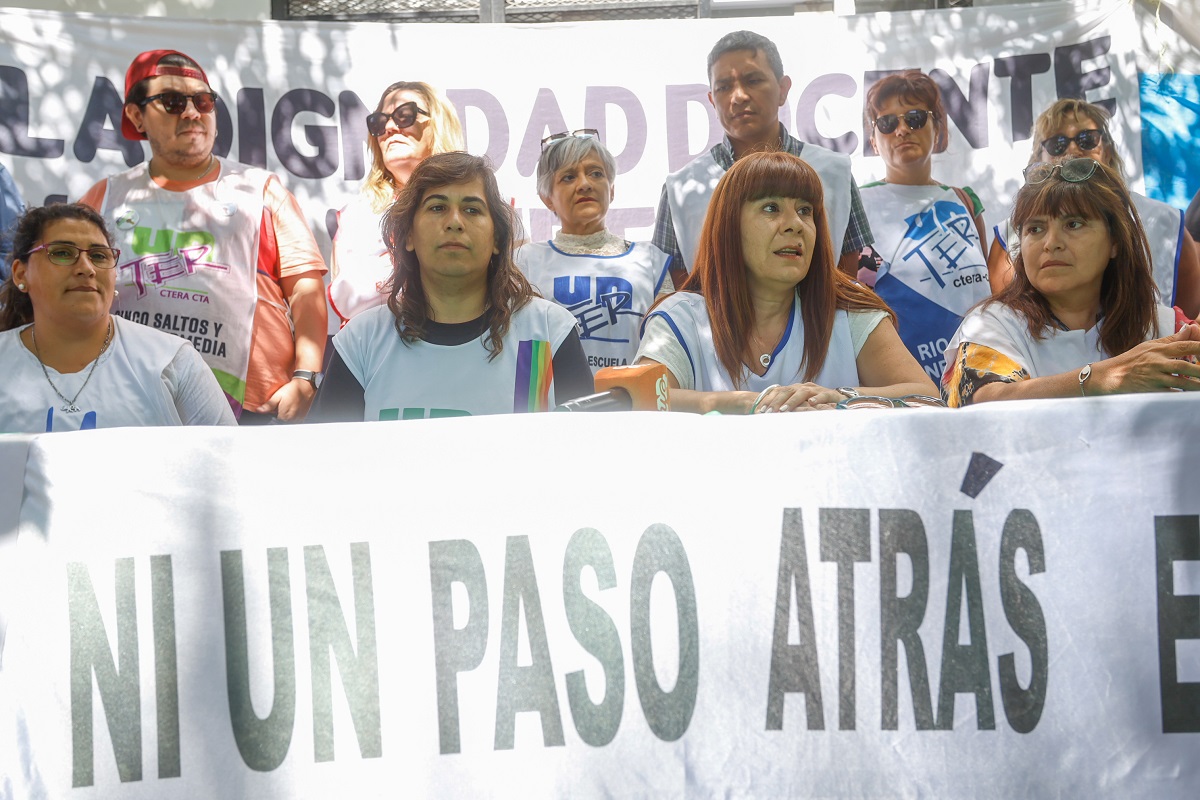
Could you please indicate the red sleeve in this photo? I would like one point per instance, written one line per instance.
(94, 197)
(287, 247)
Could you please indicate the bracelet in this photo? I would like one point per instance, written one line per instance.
(761, 395)
(1084, 374)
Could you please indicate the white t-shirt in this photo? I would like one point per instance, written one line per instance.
(678, 335)
(417, 380)
(362, 264)
(144, 378)
(1000, 328)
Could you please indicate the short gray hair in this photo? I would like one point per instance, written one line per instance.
(567, 152)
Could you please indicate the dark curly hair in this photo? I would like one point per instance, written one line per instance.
(16, 309)
(507, 288)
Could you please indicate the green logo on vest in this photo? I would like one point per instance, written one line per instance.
(148, 241)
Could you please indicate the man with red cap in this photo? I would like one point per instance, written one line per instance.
(213, 250)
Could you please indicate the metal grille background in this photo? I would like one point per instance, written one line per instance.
(517, 11)
(530, 11)
(397, 10)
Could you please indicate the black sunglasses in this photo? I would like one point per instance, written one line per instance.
(915, 120)
(1087, 140)
(404, 116)
(176, 102)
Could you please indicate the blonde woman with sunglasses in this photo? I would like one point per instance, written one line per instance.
(69, 364)
(411, 122)
(1076, 128)
(1081, 316)
(928, 262)
(608, 283)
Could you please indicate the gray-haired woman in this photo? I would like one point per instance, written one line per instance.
(607, 282)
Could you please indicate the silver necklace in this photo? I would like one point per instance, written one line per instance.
(69, 405)
(765, 359)
(212, 162)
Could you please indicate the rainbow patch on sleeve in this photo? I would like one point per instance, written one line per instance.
(535, 374)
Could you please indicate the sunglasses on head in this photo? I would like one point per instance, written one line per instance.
(65, 255)
(176, 102)
(405, 115)
(915, 120)
(581, 133)
(1087, 140)
(1075, 170)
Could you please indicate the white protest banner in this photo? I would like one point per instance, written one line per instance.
(995, 602)
(294, 95)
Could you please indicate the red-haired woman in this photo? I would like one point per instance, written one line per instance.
(766, 322)
(1081, 310)
(929, 237)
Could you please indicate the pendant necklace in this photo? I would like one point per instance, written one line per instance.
(69, 405)
(765, 360)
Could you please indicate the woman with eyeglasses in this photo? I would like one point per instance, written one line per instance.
(68, 364)
(929, 261)
(411, 122)
(1081, 316)
(1076, 128)
(766, 322)
(463, 332)
(608, 283)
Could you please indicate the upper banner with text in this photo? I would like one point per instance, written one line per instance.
(294, 95)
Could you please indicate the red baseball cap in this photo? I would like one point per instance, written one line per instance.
(146, 66)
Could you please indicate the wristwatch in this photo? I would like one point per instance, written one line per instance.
(314, 378)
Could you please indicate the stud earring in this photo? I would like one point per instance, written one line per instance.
(21, 286)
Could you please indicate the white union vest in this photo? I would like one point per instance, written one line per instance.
(688, 315)
(423, 380)
(607, 294)
(189, 262)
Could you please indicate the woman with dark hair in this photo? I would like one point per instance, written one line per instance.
(411, 122)
(766, 322)
(462, 332)
(68, 364)
(605, 281)
(1072, 128)
(1081, 315)
(929, 237)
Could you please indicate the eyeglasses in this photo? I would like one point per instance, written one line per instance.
(582, 133)
(908, 401)
(66, 255)
(1075, 170)
(404, 116)
(1087, 140)
(176, 102)
(915, 120)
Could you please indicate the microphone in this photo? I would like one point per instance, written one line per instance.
(634, 387)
